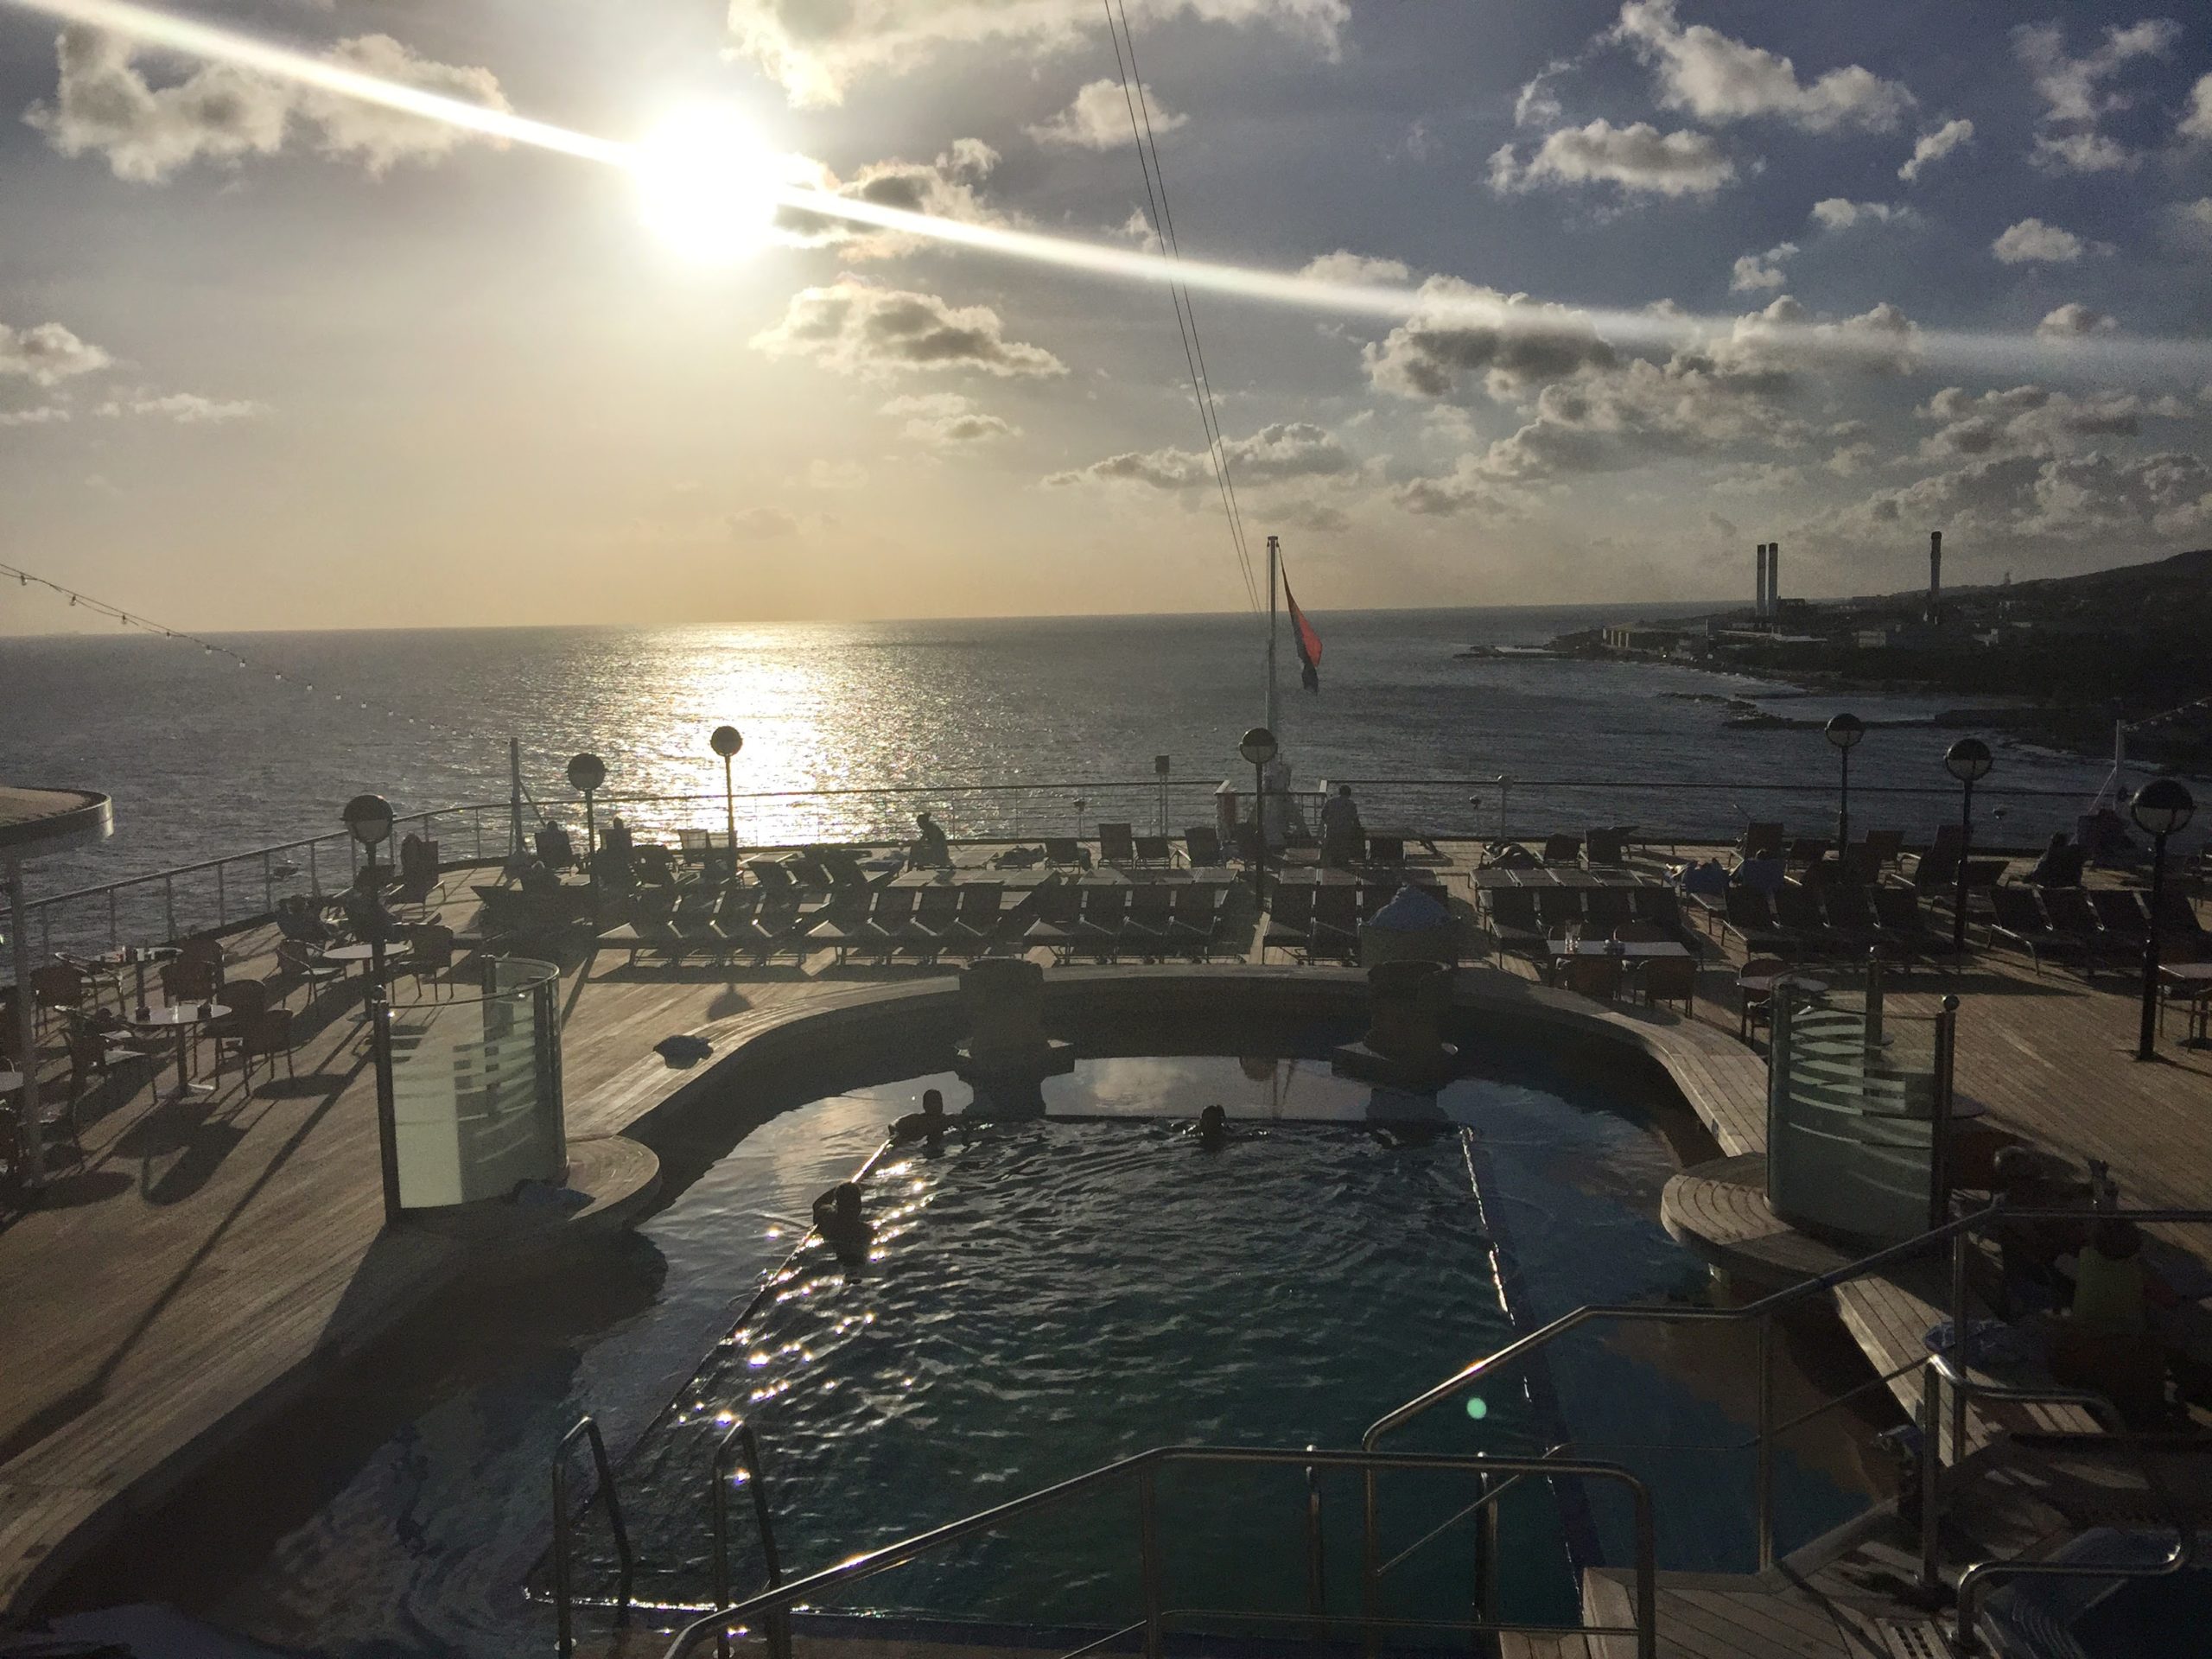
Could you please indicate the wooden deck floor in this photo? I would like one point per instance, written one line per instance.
(209, 1255)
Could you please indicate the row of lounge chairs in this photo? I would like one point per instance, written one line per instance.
(2090, 928)
(1525, 919)
(1105, 921)
(1839, 919)
(1875, 851)
(1322, 921)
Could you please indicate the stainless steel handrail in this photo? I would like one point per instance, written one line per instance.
(742, 1436)
(587, 1430)
(1140, 1470)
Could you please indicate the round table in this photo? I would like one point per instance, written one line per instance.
(182, 1018)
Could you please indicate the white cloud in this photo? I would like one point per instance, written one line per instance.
(47, 353)
(761, 524)
(1538, 105)
(816, 50)
(947, 187)
(1752, 271)
(1840, 213)
(104, 104)
(855, 328)
(2031, 241)
(2190, 222)
(1099, 119)
(1639, 158)
(2048, 500)
(1355, 270)
(2073, 320)
(945, 420)
(2197, 120)
(43, 415)
(1784, 338)
(2074, 92)
(1932, 147)
(2036, 421)
(1717, 78)
(1287, 449)
(1513, 341)
(185, 408)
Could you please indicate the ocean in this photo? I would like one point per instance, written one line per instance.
(205, 757)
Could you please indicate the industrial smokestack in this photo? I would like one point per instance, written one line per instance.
(1759, 583)
(1773, 578)
(1934, 573)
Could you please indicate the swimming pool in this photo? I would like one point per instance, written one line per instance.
(1103, 1266)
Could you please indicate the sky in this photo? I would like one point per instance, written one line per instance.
(1674, 277)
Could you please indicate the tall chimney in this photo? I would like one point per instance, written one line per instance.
(1934, 575)
(1759, 583)
(1773, 578)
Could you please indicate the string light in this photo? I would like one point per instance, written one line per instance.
(130, 620)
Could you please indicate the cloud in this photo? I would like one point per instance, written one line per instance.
(1287, 449)
(185, 408)
(2031, 240)
(943, 189)
(1465, 488)
(1538, 105)
(1719, 78)
(1099, 118)
(1355, 270)
(946, 420)
(2190, 222)
(816, 50)
(103, 104)
(1529, 342)
(854, 327)
(1932, 147)
(2074, 95)
(2197, 120)
(1756, 271)
(1783, 339)
(2053, 501)
(1639, 158)
(761, 524)
(47, 353)
(43, 415)
(2073, 320)
(1840, 213)
(2035, 420)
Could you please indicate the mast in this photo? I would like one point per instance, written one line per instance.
(514, 804)
(1274, 559)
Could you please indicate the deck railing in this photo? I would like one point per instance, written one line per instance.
(216, 893)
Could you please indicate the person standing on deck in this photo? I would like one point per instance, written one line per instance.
(1341, 831)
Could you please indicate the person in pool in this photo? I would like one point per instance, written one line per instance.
(928, 1124)
(1211, 1129)
(837, 1218)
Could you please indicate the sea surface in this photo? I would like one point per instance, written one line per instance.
(205, 757)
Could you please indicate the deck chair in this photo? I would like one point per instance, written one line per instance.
(1103, 926)
(1904, 926)
(1559, 909)
(1748, 916)
(1290, 920)
(1852, 918)
(1882, 847)
(1668, 979)
(2073, 917)
(2021, 924)
(1513, 921)
(1056, 912)
(1605, 847)
(1797, 913)
(1194, 920)
(1150, 919)
(1805, 851)
(1116, 845)
(1562, 849)
(1202, 846)
(1386, 850)
(974, 927)
(1066, 852)
(2181, 936)
(1606, 908)
(1248, 843)
(883, 929)
(2120, 914)
(1336, 922)
(1762, 839)
(1154, 849)
(934, 925)
(1597, 977)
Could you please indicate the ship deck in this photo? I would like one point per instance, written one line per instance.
(206, 1259)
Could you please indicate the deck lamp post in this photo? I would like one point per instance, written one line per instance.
(727, 742)
(1967, 761)
(2161, 807)
(1258, 748)
(586, 772)
(368, 820)
(1844, 731)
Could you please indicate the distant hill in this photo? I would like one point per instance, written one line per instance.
(2161, 595)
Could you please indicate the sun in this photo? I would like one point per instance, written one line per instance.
(706, 185)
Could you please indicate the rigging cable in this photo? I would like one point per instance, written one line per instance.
(1163, 226)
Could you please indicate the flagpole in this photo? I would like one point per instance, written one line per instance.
(1274, 557)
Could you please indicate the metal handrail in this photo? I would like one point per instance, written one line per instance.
(742, 1436)
(1142, 1469)
(587, 1429)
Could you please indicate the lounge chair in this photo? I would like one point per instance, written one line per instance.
(1248, 843)
(2181, 936)
(1066, 852)
(2020, 922)
(1196, 924)
(1056, 913)
(883, 929)
(1905, 925)
(1883, 847)
(1751, 918)
(1202, 846)
(1606, 908)
(2072, 916)
(1513, 922)
(1762, 839)
(1807, 850)
(1154, 849)
(1797, 913)
(1103, 927)
(1668, 979)
(1116, 844)
(1605, 847)
(1852, 918)
(974, 927)
(1290, 920)
(1386, 850)
(2120, 914)
(1559, 909)
(1336, 922)
(1562, 849)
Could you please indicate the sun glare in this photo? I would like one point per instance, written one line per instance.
(706, 185)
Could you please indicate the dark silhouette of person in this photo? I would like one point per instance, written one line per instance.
(1211, 1129)
(837, 1218)
(928, 1124)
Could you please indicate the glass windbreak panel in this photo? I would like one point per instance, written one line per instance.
(1851, 1098)
(476, 1105)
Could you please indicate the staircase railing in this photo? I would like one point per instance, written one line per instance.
(563, 1520)
(1140, 1473)
(741, 1438)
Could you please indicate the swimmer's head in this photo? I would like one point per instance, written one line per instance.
(848, 1198)
(1213, 1121)
(932, 1104)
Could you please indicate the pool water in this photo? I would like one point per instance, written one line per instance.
(1049, 1295)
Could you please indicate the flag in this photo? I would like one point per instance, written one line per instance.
(1309, 642)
